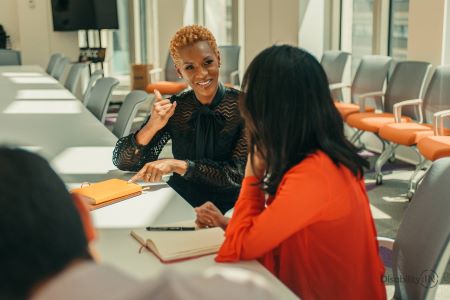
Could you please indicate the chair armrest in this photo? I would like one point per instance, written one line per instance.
(340, 85)
(234, 77)
(412, 102)
(385, 247)
(438, 121)
(154, 72)
(362, 99)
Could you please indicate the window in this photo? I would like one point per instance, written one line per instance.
(362, 30)
(398, 29)
(189, 16)
(143, 40)
(120, 60)
(218, 18)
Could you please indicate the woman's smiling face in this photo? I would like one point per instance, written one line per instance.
(199, 66)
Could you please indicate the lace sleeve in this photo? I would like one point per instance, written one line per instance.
(221, 173)
(129, 156)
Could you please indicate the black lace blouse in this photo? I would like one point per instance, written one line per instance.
(210, 137)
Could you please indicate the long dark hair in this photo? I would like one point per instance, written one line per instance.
(289, 114)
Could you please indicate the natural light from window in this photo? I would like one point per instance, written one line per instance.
(44, 107)
(84, 160)
(34, 80)
(44, 94)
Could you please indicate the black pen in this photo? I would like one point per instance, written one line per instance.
(170, 228)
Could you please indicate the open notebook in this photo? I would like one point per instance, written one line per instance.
(170, 246)
(107, 192)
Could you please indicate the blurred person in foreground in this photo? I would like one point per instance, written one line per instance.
(45, 253)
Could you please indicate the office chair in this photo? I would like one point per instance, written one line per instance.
(74, 76)
(420, 253)
(60, 65)
(229, 64)
(94, 77)
(171, 84)
(10, 57)
(438, 145)
(437, 97)
(100, 96)
(370, 77)
(406, 83)
(52, 62)
(128, 112)
(333, 63)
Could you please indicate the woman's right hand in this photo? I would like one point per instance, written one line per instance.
(208, 215)
(162, 110)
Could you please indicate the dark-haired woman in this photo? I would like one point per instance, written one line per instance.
(315, 232)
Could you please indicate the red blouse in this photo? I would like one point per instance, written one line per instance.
(316, 234)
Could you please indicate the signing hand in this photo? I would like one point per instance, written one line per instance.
(154, 171)
(162, 110)
(208, 215)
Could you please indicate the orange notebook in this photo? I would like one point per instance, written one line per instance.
(107, 192)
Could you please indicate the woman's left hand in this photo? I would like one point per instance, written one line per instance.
(154, 171)
(208, 215)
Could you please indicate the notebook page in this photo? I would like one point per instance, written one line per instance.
(179, 244)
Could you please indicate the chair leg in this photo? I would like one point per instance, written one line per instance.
(414, 181)
(356, 136)
(382, 159)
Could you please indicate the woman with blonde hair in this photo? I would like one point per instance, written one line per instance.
(204, 124)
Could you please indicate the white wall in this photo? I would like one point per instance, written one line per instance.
(312, 25)
(170, 19)
(29, 23)
(8, 18)
(426, 30)
(268, 22)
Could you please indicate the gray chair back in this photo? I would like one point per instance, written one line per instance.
(229, 63)
(94, 77)
(10, 57)
(370, 75)
(406, 83)
(333, 63)
(128, 112)
(437, 96)
(58, 70)
(170, 72)
(74, 76)
(52, 62)
(421, 249)
(100, 96)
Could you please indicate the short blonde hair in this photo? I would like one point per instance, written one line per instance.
(189, 35)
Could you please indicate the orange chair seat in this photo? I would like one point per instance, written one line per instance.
(166, 87)
(372, 121)
(346, 109)
(434, 147)
(406, 134)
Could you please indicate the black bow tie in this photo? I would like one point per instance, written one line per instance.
(207, 124)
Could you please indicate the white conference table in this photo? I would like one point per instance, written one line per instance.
(38, 114)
